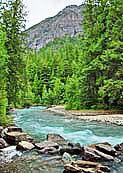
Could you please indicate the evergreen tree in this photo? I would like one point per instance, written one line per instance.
(3, 74)
(13, 24)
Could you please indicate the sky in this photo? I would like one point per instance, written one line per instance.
(39, 10)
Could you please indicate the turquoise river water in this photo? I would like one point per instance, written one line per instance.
(38, 123)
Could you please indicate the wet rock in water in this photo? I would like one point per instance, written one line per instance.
(14, 129)
(74, 145)
(48, 150)
(93, 154)
(15, 137)
(1, 129)
(24, 145)
(46, 144)
(58, 139)
(119, 147)
(72, 151)
(54, 137)
(105, 148)
(3, 143)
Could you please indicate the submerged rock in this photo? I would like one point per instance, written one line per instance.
(24, 145)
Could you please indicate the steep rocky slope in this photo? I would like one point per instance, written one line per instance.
(66, 22)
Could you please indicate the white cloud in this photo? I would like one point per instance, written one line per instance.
(38, 10)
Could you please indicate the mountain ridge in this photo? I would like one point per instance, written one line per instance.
(66, 22)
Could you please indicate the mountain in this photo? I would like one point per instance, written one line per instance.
(66, 22)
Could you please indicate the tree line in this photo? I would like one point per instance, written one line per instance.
(85, 72)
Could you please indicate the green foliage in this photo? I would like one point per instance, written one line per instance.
(13, 24)
(3, 74)
(84, 72)
(87, 71)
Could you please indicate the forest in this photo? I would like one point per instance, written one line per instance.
(83, 72)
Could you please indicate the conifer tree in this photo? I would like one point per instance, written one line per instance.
(3, 78)
(13, 24)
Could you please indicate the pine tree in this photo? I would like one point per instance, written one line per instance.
(3, 74)
(13, 24)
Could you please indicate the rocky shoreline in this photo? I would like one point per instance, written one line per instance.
(101, 117)
(95, 158)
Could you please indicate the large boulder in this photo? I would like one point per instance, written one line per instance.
(15, 137)
(24, 145)
(105, 148)
(3, 143)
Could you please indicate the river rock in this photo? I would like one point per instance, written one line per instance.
(86, 167)
(48, 150)
(15, 137)
(46, 144)
(24, 145)
(93, 154)
(72, 151)
(14, 129)
(55, 137)
(58, 139)
(3, 143)
(119, 147)
(105, 148)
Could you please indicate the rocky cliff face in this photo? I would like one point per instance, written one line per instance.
(66, 22)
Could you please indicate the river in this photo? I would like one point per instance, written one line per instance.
(37, 122)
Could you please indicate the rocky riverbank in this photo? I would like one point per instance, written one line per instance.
(95, 158)
(97, 116)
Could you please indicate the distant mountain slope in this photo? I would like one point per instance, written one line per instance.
(66, 22)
